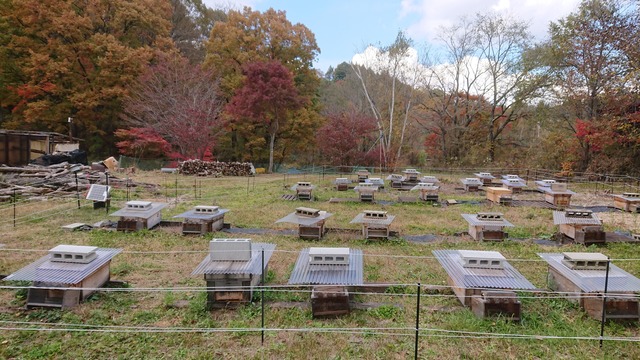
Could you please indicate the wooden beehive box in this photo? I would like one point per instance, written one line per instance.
(627, 202)
(499, 195)
(330, 301)
(493, 303)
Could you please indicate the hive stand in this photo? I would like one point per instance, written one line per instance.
(627, 202)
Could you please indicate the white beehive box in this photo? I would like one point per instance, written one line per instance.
(328, 256)
(230, 249)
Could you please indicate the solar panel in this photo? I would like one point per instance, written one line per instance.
(98, 192)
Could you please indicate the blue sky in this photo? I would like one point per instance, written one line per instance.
(346, 27)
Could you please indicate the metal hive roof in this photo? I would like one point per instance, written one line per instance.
(192, 214)
(425, 186)
(473, 220)
(519, 183)
(43, 270)
(507, 278)
(360, 219)
(305, 273)
(471, 181)
(545, 182)
(143, 214)
(560, 218)
(548, 190)
(484, 175)
(252, 266)
(294, 218)
(593, 280)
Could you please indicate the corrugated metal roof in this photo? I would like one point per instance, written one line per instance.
(543, 183)
(519, 183)
(429, 179)
(512, 176)
(305, 273)
(473, 220)
(360, 219)
(471, 181)
(593, 280)
(560, 218)
(425, 186)
(294, 218)
(484, 176)
(252, 266)
(548, 190)
(43, 270)
(507, 278)
(192, 214)
(366, 188)
(143, 214)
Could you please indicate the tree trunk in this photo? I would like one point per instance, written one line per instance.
(272, 141)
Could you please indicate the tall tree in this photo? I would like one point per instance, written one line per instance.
(77, 59)
(192, 22)
(268, 98)
(347, 138)
(588, 65)
(181, 102)
(390, 103)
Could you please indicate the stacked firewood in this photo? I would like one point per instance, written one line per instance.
(215, 168)
(55, 181)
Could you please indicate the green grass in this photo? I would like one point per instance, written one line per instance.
(260, 207)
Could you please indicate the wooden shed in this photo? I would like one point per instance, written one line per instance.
(19, 147)
(56, 276)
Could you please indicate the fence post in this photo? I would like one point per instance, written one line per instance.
(14, 207)
(415, 349)
(262, 297)
(604, 302)
(176, 188)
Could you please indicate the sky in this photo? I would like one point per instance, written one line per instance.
(344, 28)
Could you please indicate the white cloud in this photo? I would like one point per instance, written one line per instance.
(431, 14)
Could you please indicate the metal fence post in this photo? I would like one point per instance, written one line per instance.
(604, 302)
(415, 350)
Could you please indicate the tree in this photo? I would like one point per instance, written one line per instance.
(347, 138)
(181, 102)
(78, 59)
(395, 97)
(251, 36)
(589, 64)
(268, 98)
(142, 143)
(192, 22)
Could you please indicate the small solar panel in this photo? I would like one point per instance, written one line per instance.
(98, 192)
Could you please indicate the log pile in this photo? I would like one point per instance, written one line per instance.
(215, 168)
(54, 181)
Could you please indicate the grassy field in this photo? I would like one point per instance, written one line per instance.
(162, 314)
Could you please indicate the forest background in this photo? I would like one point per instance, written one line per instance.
(177, 80)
